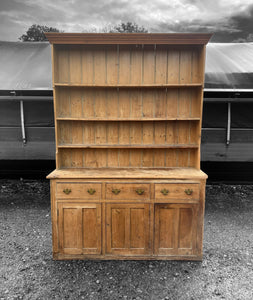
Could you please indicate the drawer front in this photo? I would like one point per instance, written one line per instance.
(68, 190)
(127, 191)
(186, 191)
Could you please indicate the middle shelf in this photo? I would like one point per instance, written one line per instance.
(150, 146)
(128, 119)
(135, 134)
(134, 104)
(138, 86)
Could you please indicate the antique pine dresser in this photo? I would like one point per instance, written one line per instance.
(128, 112)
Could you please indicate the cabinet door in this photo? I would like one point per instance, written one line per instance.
(175, 229)
(128, 229)
(79, 227)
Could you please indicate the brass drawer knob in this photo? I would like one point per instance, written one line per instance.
(164, 192)
(91, 191)
(139, 191)
(67, 191)
(188, 191)
(116, 191)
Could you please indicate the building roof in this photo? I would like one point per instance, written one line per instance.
(27, 66)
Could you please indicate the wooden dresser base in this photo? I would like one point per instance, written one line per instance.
(125, 214)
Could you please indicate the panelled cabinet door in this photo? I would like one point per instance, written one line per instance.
(128, 229)
(175, 229)
(79, 228)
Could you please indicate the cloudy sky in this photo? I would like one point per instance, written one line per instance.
(228, 19)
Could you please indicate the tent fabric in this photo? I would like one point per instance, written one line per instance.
(229, 66)
(27, 66)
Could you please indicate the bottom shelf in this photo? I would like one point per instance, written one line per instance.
(162, 173)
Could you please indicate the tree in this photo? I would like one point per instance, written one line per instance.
(35, 33)
(128, 27)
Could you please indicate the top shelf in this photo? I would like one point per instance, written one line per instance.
(174, 85)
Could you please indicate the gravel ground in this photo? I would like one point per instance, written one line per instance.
(27, 270)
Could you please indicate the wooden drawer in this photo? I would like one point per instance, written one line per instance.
(127, 191)
(68, 190)
(188, 191)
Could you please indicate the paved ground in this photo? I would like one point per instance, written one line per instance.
(27, 270)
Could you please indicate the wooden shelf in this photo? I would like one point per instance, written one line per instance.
(174, 85)
(167, 173)
(127, 119)
(148, 146)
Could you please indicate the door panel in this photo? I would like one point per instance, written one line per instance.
(118, 227)
(185, 228)
(71, 231)
(175, 229)
(137, 229)
(79, 228)
(166, 228)
(128, 231)
(91, 229)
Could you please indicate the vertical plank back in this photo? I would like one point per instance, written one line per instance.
(136, 100)
(63, 102)
(124, 64)
(136, 65)
(95, 107)
(160, 107)
(196, 96)
(161, 64)
(76, 103)
(62, 65)
(100, 103)
(75, 65)
(112, 65)
(148, 69)
(148, 103)
(124, 104)
(87, 59)
(172, 102)
(99, 56)
(112, 105)
(173, 61)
